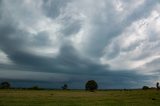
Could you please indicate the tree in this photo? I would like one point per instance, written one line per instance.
(65, 86)
(91, 85)
(157, 85)
(5, 85)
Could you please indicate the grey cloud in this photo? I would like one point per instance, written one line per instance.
(153, 66)
(107, 79)
(53, 8)
(13, 39)
(69, 64)
(71, 28)
(41, 39)
(143, 10)
(105, 31)
(67, 61)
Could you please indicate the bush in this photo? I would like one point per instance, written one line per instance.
(145, 87)
(35, 88)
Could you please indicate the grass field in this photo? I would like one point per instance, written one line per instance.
(79, 98)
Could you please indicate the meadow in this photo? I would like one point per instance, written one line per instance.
(79, 98)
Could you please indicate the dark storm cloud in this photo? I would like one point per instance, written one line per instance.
(75, 70)
(19, 39)
(67, 62)
(16, 40)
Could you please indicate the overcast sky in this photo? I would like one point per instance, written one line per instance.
(52, 42)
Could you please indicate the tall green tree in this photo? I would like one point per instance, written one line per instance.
(5, 85)
(65, 86)
(157, 85)
(91, 85)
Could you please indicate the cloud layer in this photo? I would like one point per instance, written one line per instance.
(113, 42)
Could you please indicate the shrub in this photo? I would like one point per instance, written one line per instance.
(145, 87)
(34, 88)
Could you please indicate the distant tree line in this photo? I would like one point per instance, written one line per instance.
(147, 87)
(90, 85)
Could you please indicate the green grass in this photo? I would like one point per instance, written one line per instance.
(79, 98)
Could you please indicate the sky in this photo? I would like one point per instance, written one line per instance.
(49, 43)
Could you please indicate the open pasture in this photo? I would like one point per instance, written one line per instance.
(79, 98)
